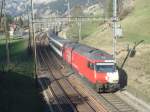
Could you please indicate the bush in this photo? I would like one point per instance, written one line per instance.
(125, 13)
(124, 8)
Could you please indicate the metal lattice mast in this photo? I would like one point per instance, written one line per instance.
(29, 44)
(114, 28)
(69, 12)
(34, 40)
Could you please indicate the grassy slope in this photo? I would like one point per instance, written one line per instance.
(135, 28)
(18, 89)
(16, 46)
(87, 29)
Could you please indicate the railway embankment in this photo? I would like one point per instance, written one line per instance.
(18, 91)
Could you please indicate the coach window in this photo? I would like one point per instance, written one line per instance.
(57, 46)
(91, 65)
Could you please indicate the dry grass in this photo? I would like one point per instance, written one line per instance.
(137, 68)
(101, 39)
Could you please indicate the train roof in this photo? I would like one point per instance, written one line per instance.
(59, 39)
(62, 40)
(90, 52)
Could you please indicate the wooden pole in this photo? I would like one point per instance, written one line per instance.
(7, 40)
(29, 44)
(2, 6)
(80, 26)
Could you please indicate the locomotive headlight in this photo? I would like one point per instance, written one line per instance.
(107, 78)
(112, 77)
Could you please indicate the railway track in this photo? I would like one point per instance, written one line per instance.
(62, 102)
(67, 94)
(110, 100)
(89, 104)
(57, 101)
(61, 90)
(116, 104)
(44, 82)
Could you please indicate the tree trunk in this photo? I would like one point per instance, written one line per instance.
(2, 8)
(1, 14)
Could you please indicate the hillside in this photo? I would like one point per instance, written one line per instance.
(18, 91)
(19, 7)
(135, 28)
(61, 5)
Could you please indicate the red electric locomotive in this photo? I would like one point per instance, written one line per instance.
(95, 65)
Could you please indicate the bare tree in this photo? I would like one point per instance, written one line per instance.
(124, 8)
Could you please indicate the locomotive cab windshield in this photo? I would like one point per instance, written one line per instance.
(105, 67)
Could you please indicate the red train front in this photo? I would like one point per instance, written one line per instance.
(95, 65)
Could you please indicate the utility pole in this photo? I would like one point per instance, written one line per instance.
(7, 38)
(88, 2)
(2, 6)
(34, 41)
(29, 44)
(69, 12)
(114, 28)
(55, 23)
(1, 13)
(80, 26)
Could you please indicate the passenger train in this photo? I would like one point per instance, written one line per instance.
(97, 66)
